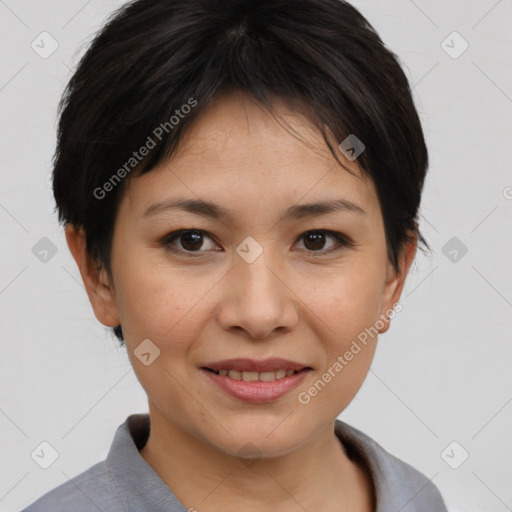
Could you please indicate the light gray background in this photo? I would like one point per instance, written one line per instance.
(441, 374)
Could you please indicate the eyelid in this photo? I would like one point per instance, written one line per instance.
(167, 240)
(343, 241)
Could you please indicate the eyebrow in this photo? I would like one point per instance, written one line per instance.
(212, 210)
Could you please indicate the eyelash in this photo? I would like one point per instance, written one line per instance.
(343, 242)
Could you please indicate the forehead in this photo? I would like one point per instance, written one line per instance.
(237, 152)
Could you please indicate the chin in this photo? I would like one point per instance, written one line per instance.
(269, 435)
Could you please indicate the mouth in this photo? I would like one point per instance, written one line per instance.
(256, 381)
(250, 376)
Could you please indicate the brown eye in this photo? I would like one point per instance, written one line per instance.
(194, 242)
(191, 241)
(188, 240)
(315, 241)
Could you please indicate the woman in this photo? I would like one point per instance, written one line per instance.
(239, 183)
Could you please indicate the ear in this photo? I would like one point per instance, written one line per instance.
(95, 278)
(395, 280)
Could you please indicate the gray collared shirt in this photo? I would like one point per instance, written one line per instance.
(125, 482)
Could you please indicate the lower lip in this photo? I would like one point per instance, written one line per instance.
(257, 391)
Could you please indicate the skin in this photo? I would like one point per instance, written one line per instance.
(287, 303)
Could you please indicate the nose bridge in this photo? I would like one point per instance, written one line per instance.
(259, 301)
(254, 277)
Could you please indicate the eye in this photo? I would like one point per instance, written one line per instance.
(190, 240)
(314, 241)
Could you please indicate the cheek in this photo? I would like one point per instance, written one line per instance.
(161, 302)
(346, 309)
(169, 308)
(346, 301)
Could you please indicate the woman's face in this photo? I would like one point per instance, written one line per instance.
(250, 283)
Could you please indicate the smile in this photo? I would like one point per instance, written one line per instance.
(256, 387)
(255, 376)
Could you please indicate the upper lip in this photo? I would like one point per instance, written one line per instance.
(252, 365)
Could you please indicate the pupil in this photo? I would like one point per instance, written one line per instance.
(317, 239)
(191, 241)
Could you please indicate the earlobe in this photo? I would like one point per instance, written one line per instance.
(95, 279)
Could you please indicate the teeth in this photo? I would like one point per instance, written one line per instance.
(254, 376)
(250, 376)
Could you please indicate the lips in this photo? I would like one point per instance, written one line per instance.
(255, 381)
(250, 365)
(269, 389)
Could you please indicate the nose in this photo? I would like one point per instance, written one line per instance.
(257, 299)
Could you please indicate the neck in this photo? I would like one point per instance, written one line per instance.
(318, 475)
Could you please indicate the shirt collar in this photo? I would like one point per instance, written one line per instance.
(138, 484)
(142, 489)
(397, 485)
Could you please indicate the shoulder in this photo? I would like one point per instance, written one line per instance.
(90, 491)
(398, 485)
